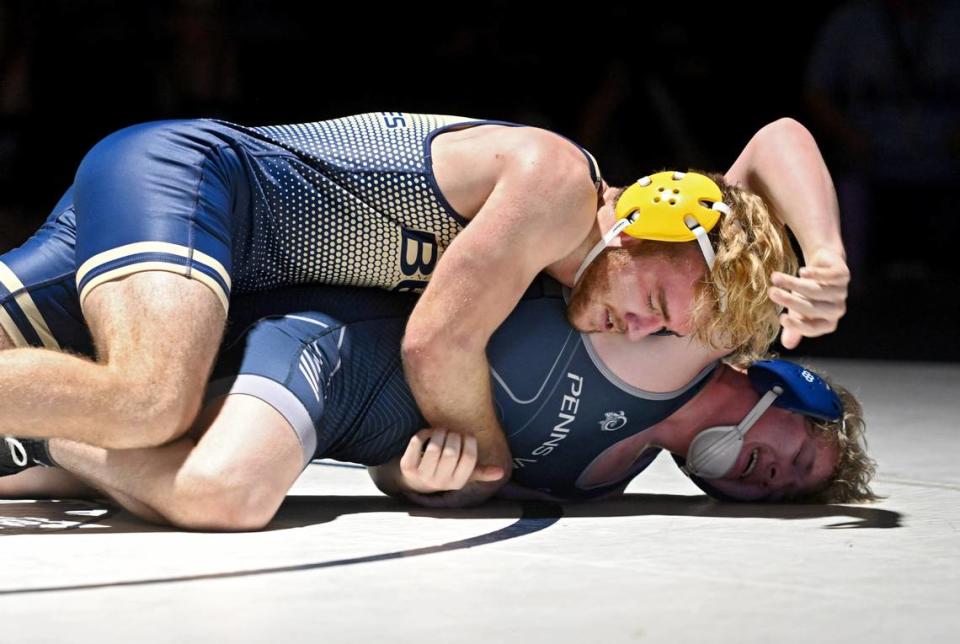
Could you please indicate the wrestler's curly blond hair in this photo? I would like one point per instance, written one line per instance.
(732, 306)
(850, 481)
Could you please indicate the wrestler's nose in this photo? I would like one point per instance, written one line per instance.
(639, 326)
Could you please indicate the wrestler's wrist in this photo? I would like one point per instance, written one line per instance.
(834, 247)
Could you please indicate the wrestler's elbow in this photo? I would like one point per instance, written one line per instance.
(149, 416)
(385, 478)
(418, 354)
(786, 127)
(435, 344)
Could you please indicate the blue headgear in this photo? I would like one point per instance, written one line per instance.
(714, 451)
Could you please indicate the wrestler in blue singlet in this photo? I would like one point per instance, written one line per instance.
(338, 202)
(348, 201)
(560, 407)
(337, 378)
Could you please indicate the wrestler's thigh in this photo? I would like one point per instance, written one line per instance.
(247, 457)
(159, 330)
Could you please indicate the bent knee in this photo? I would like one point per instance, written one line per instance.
(220, 502)
(218, 520)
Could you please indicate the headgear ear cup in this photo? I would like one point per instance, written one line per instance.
(713, 451)
(781, 383)
(708, 489)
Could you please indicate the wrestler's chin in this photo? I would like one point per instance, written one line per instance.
(581, 322)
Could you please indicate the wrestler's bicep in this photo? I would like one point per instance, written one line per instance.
(535, 215)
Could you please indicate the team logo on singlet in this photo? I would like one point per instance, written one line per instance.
(613, 421)
(418, 258)
(394, 119)
(311, 366)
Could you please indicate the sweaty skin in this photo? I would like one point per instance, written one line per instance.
(533, 206)
(227, 481)
(530, 201)
(444, 348)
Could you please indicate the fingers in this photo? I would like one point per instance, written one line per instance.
(467, 463)
(811, 287)
(419, 461)
(808, 327)
(815, 299)
(790, 338)
(807, 306)
(487, 473)
(437, 460)
(410, 461)
(836, 276)
(431, 453)
(449, 458)
(468, 470)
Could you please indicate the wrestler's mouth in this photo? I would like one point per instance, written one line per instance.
(610, 322)
(751, 463)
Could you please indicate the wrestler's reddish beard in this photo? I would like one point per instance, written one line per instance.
(595, 284)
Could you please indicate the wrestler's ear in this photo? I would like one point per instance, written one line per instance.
(624, 240)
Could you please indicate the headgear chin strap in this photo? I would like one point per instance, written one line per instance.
(668, 206)
(781, 383)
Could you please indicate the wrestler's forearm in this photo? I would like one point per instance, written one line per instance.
(58, 483)
(135, 478)
(469, 495)
(452, 389)
(139, 509)
(136, 507)
(47, 393)
(515, 492)
(143, 481)
(45, 483)
(388, 477)
(783, 165)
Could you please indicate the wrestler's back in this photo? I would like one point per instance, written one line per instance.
(375, 199)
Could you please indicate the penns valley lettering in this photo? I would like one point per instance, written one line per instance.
(569, 405)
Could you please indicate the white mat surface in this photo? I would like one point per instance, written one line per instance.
(343, 564)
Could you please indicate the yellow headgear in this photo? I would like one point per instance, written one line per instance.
(668, 206)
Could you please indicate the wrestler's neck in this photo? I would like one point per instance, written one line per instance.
(566, 269)
(720, 402)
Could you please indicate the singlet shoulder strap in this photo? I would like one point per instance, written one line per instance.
(543, 286)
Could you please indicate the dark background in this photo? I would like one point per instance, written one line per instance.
(642, 87)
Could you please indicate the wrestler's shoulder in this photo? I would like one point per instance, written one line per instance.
(543, 164)
(546, 147)
(468, 163)
(530, 143)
